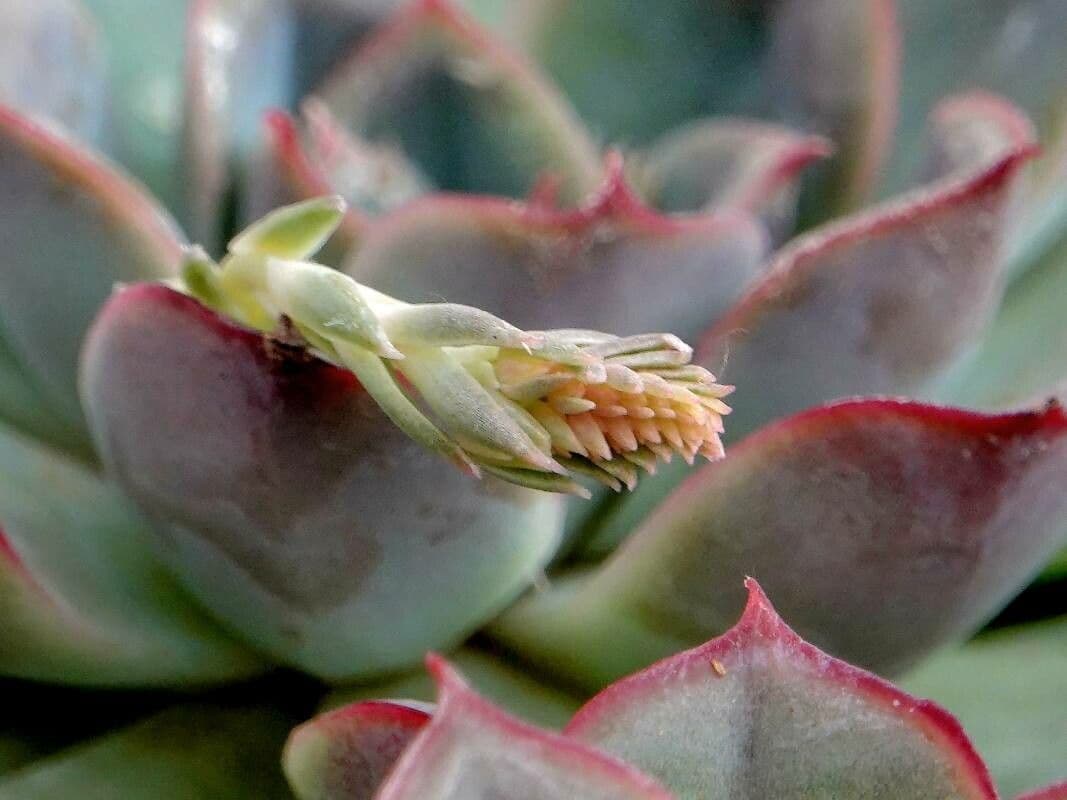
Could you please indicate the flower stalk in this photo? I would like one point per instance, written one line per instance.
(536, 408)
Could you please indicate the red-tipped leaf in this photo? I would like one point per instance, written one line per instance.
(759, 713)
(347, 753)
(472, 750)
(613, 265)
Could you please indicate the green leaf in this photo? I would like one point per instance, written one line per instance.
(717, 164)
(1022, 358)
(71, 226)
(23, 406)
(1006, 688)
(883, 527)
(186, 753)
(759, 713)
(1013, 48)
(881, 302)
(82, 599)
(289, 504)
(825, 66)
(506, 684)
(295, 232)
(52, 64)
(469, 113)
(345, 754)
(144, 69)
(614, 264)
(471, 750)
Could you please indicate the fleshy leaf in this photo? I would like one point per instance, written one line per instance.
(1023, 356)
(884, 528)
(186, 753)
(51, 64)
(297, 231)
(82, 599)
(23, 406)
(240, 56)
(472, 750)
(347, 753)
(283, 495)
(1004, 687)
(1014, 48)
(510, 687)
(246, 56)
(834, 66)
(634, 75)
(144, 70)
(71, 226)
(759, 713)
(880, 302)
(729, 164)
(623, 68)
(969, 129)
(320, 157)
(612, 265)
(472, 115)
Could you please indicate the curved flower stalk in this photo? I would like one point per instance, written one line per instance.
(532, 408)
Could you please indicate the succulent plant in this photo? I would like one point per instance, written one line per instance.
(230, 473)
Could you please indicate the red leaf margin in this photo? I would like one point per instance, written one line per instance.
(119, 195)
(455, 696)
(759, 621)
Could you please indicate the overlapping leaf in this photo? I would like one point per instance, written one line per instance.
(470, 750)
(286, 500)
(828, 67)
(1014, 48)
(472, 115)
(760, 713)
(612, 265)
(346, 754)
(82, 598)
(1003, 687)
(495, 678)
(71, 226)
(729, 164)
(881, 302)
(883, 528)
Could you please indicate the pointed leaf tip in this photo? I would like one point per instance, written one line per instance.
(71, 225)
(471, 750)
(296, 231)
(611, 264)
(495, 130)
(729, 163)
(761, 713)
(346, 754)
(881, 302)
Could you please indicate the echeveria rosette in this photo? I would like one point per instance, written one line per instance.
(757, 712)
(656, 246)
